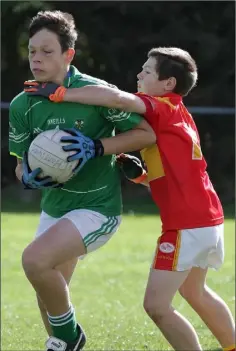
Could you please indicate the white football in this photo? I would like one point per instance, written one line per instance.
(46, 153)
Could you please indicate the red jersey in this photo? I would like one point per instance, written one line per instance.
(179, 183)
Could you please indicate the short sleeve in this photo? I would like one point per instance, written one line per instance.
(151, 106)
(19, 131)
(120, 119)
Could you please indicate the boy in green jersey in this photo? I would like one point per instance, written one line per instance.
(83, 214)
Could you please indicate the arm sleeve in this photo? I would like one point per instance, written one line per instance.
(19, 131)
(120, 119)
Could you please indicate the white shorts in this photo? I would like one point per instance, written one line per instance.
(180, 250)
(95, 228)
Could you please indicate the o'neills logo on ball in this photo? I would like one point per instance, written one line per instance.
(48, 159)
(167, 247)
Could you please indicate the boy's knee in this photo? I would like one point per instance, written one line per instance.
(156, 309)
(32, 264)
(193, 295)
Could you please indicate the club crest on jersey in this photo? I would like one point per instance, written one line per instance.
(79, 124)
(37, 131)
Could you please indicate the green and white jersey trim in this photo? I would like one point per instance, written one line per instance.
(115, 115)
(18, 138)
(84, 192)
(37, 103)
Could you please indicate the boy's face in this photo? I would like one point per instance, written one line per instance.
(149, 83)
(47, 62)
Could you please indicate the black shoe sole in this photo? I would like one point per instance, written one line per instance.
(82, 342)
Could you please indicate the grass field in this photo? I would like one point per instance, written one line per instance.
(107, 289)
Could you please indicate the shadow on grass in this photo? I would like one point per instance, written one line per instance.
(136, 200)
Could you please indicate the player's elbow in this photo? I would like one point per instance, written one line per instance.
(130, 103)
(120, 102)
(127, 102)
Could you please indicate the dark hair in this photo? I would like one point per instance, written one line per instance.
(175, 62)
(60, 23)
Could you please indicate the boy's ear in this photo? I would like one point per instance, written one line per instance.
(70, 54)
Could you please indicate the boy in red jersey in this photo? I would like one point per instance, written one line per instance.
(191, 212)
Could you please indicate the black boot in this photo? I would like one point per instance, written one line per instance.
(55, 344)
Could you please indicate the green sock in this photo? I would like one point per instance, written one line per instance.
(64, 327)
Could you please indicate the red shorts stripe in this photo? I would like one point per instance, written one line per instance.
(167, 252)
(177, 248)
(156, 254)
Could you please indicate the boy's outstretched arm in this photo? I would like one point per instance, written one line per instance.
(98, 95)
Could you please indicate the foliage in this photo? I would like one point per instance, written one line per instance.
(116, 36)
(114, 40)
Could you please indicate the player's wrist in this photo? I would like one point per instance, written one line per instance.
(98, 147)
(67, 95)
(27, 186)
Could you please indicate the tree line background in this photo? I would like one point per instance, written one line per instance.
(113, 43)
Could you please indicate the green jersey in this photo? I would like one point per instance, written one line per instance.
(97, 186)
